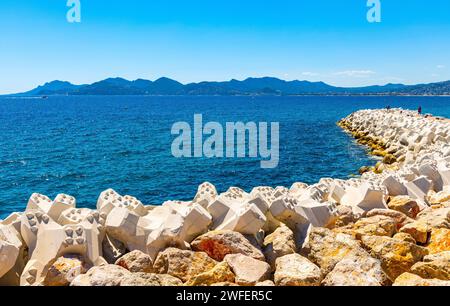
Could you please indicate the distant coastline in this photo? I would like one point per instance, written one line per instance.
(266, 86)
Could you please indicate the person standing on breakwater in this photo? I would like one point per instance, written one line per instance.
(420, 110)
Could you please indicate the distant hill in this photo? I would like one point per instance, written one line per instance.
(250, 86)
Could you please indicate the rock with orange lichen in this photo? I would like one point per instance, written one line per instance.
(435, 217)
(398, 216)
(418, 230)
(221, 273)
(404, 204)
(409, 279)
(183, 264)
(377, 226)
(439, 241)
(396, 256)
(405, 237)
(433, 267)
(218, 244)
(64, 270)
(357, 270)
(326, 248)
(281, 242)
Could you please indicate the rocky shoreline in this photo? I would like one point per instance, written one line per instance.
(389, 227)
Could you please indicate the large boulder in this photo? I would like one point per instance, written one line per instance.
(377, 226)
(434, 266)
(396, 256)
(439, 240)
(136, 261)
(409, 279)
(248, 271)
(64, 270)
(280, 243)
(141, 279)
(218, 244)
(326, 248)
(357, 270)
(405, 205)
(101, 276)
(221, 273)
(182, 264)
(296, 270)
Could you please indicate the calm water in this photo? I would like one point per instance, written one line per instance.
(83, 145)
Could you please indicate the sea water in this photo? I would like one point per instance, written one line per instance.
(86, 144)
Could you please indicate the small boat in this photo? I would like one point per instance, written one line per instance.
(44, 97)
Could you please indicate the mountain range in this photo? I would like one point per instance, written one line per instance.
(249, 86)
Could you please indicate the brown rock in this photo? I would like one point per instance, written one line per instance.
(280, 243)
(64, 270)
(399, 217)
(141, 279)
(404, 204)
(377, 225)
(136, 261)
(296, 270)
(248, 271)
(218, 244)
(439, 240)
(418, 230)
(327, 248)
(409, 279)
(221, 273)
(396, 256)
(107, 275)
(182, 264)
(357, 270)
(405, 237)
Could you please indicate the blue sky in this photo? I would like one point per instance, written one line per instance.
(327, 40)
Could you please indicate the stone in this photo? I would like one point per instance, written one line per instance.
(110, 199)
(409, 279)
(419, 188)
(439, 240)
(357, 270)
(417, 230)
(400, 218)
(248, 271)
(405, 205)
(405, 237)
(344, 217)
(326, 248)
(377, 225)
(182, 264)
(221, 273)
(440, 197)
(136, 261)
(396, 256)
(101, 276)
(267, 283)
(435, 217)
(438, 269)
(280, 243)
(142, 279)
(218, 244)
(64, 270)
(296, 270)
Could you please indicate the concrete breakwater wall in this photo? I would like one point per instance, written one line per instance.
(390, 226)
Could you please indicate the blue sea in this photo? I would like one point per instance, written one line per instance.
(84, 145)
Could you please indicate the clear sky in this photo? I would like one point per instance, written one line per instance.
(196, 40)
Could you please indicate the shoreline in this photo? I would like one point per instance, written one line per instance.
(400, 206)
